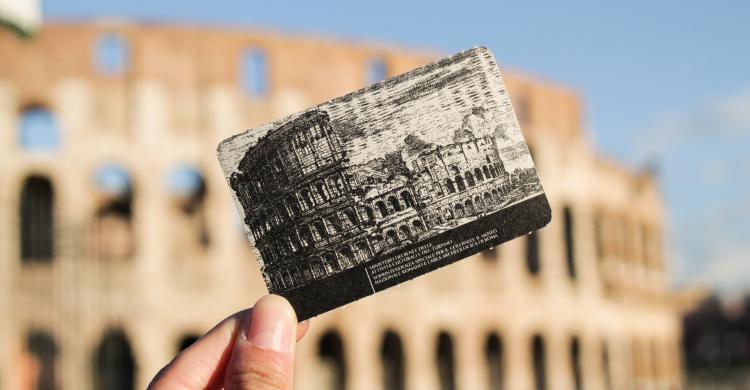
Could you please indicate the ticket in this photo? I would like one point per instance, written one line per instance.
(385, 184)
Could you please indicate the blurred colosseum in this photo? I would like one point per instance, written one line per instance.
(119, 244)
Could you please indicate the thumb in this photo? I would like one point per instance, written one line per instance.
(263, 353)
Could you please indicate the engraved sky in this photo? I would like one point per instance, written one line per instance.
(430, 102)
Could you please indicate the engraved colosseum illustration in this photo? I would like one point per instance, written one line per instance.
(361, 176)
(313, 213)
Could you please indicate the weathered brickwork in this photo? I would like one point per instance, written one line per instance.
(140, 255)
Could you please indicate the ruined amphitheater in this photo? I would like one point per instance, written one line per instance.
(119, 243)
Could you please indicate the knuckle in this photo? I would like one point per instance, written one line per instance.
(258, 372)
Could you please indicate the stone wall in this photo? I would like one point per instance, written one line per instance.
(179, 93)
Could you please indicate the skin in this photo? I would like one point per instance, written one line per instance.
(251, 349)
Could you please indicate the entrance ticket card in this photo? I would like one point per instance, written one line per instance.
(385, 184)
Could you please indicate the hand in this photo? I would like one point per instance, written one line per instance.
(252, 349)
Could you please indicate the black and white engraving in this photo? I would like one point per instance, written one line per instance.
(384, 184)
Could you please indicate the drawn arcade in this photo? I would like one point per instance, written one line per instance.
(312, 213)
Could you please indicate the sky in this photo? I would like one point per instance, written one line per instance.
(665, 85)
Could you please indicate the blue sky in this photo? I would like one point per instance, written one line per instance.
(665, 83)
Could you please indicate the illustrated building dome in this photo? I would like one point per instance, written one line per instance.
(463, 134)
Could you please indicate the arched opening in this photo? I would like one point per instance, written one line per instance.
(38, 130)
(332, 361)
(305, 236)
(377, 242)
(493, 350)
(317, 268)
(334, 223)
(656, 361)
(394, 203)
(338, 181)
(636, 361)
(418, 226)
(322, 191)
(446, 362)
(307, 272)
(460, 183)
(257, 228)
(351, 218)
(478, 174)
(469, 179)
(254, 72)
(307, 199)
(459, 210)
(496, 196)
(469, 207)
(533, 264)
(486, 171)
(405, 232)
(296, 274)
(437, 188)
(288, 280)
(43, 351)
(267, 253)
(292, 206)
(381, 207)
(449, 186)
(37, 220)
(391, 237)
(575, 363)
(539, 363)
(392, 359)
(282, 245)
(113, 365)
(522, 107)
(331, 263)
(568, 235)
(347, 255)
(487, 199)
(448, 213)
(278, 282)
(267, 222)
(478, 202)
(186, 341)
(320, 230)
(333, 190)
(407, 198)
(111, 54)
(280, 214)
(188, 190)
(376, 71)
(361, 251)
(114, 238)
(606, 372)
(500, 168)
(370, 214)
(293, 242)
(599, 235)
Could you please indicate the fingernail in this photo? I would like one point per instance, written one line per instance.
(272, 325)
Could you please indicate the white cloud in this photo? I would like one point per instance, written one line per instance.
(728, 271)
(725, 117)
(701, 158)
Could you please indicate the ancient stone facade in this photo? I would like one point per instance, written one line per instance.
(459, 180)
(119, 243)
(299, 205)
